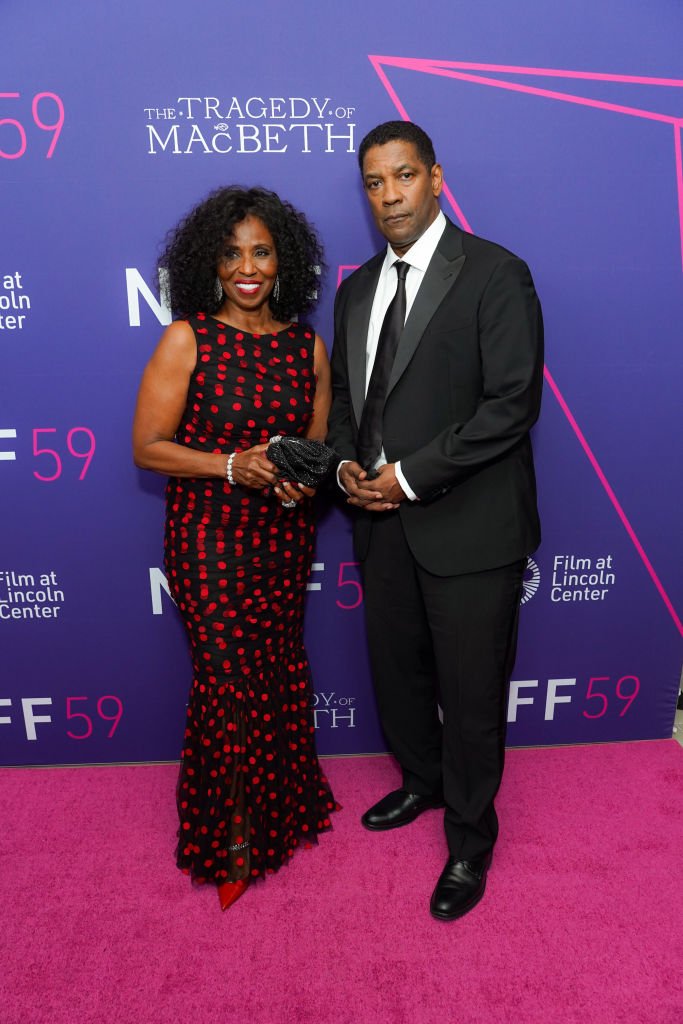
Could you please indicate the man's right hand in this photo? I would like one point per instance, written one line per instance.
(354, 480)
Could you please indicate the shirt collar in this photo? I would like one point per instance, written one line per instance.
(421, 252)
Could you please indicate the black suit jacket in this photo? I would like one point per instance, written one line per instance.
(464, 392)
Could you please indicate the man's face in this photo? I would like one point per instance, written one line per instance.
(401, 191)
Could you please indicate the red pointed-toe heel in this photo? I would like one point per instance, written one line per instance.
(230, 892)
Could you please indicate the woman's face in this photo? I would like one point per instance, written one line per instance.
(248, 267)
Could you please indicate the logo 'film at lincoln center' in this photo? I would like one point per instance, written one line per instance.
(574, 578)
(211, 125)
(578, 578)
(25, 595)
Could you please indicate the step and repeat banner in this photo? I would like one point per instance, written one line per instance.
(560, 138)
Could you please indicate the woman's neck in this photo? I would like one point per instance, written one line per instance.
(257, 321)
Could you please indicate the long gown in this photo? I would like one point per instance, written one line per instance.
(250, 789)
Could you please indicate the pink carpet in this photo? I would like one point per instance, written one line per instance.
(582, 920)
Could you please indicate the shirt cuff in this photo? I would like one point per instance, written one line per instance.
(405, 486)
(342, 463)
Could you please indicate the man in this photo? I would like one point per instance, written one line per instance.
(437, 375)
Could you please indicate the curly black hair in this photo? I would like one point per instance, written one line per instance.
(194, 247)
(399, 131)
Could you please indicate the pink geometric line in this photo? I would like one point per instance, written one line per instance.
(377, 65)
(342, 268)
(439, 69)
(430, 68)
(678, 128)
(456, 207)
(613, 498)
(420, 64)
(551, 94)
(404, 114)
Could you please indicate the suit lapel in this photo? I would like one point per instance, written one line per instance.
(358, 323)
(441, 274)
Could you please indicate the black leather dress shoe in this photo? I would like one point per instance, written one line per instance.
(396, 809)
(460, 887)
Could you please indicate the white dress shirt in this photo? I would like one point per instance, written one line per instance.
(418, 258)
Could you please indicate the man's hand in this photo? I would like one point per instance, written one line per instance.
(381, 494)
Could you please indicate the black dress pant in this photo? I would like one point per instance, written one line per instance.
(447, 640)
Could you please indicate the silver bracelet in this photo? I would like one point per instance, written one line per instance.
(228, 469)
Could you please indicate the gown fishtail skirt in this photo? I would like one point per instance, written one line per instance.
(251, 790)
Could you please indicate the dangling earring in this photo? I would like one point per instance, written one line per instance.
(219, 294)
(276, 289)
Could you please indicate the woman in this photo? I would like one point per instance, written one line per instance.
(239, 541)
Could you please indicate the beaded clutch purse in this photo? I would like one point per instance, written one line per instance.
(301, 460)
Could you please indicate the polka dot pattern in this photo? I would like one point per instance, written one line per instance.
(251, 790)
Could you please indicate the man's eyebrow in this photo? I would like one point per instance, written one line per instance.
(394, 170)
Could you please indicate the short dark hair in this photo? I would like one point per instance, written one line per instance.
(399, 131)
(194, 247)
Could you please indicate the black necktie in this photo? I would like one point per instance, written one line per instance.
(370, 430)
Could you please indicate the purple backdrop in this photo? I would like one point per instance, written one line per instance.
(560, 137)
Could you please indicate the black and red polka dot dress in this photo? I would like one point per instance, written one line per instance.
(250, 789)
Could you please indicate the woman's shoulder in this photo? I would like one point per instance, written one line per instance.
(176, 349)
(180, 333)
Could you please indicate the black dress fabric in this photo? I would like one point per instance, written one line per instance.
(250, 789)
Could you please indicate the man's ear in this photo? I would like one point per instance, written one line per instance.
(437, 179)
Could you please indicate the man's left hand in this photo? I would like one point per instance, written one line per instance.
(387, 485)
